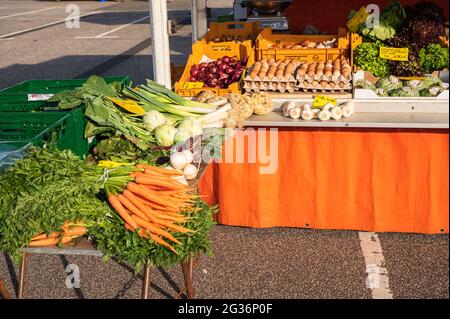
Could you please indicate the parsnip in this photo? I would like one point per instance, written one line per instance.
(295, 112)
(307, 113)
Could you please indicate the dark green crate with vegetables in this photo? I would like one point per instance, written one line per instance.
(31, 95)
(65, 101)
(30, 127)
(18, 131)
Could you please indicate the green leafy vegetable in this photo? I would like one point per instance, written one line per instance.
(433, 57)
(367, 57)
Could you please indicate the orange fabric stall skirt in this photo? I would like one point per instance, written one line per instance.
(352, 179)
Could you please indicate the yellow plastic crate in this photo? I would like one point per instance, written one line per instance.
(199, 49)
(266, 39)
(248, 31)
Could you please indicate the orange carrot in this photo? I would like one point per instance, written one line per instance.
(39, 237)
(145, 180)
(147, 194)
(138, 203)
(75, 231)
(172, 226)
(160, 241)
(152, 205)
(180, 218)
(165, 171)
(50, 241)
(131, 207)
(52, 235)
(142, 233)
(115, 203)
(154, 229)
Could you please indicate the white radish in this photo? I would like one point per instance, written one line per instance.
(189, 156)
(178, 160)
(190, 171)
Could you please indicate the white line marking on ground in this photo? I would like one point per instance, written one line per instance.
(377, 275)
(27, 12)
(121, 27)
(106, 37)
(47, 25)
(7, 39)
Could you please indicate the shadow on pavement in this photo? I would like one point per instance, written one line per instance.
(137, 67)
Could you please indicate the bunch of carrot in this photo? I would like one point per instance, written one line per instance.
(152, 204)
(70, 231)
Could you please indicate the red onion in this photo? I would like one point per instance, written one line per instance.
(236, 76)
(212, 82)
(223, 76)
(220, 73)
(229, 70)
(212, 69)
(195, 72)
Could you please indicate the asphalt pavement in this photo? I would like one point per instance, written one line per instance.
(113, 39)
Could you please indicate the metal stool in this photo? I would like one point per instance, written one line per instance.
(85, 248)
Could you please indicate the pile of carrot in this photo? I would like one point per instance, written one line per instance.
(153, 204)
(69, 232)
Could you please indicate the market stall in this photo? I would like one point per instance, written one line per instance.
(384, 171)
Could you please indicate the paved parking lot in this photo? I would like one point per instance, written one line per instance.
(113, 39)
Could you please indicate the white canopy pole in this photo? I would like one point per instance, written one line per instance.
(160, 42)
(199, 19)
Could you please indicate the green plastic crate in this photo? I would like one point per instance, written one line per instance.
(19, 128)
(14, 101)
(30, 95)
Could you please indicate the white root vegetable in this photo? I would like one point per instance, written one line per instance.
(307, 113)
(315, 113)
(348, 109)
(286, 107)
(190, 171)
(189, 156)
(336, 113)
(217, 101)
(178, 160)
(324, 114)
(295, 112)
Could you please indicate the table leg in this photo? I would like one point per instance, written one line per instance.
(188, 272)
(146, 281)
(22, 276)
(3, 292)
